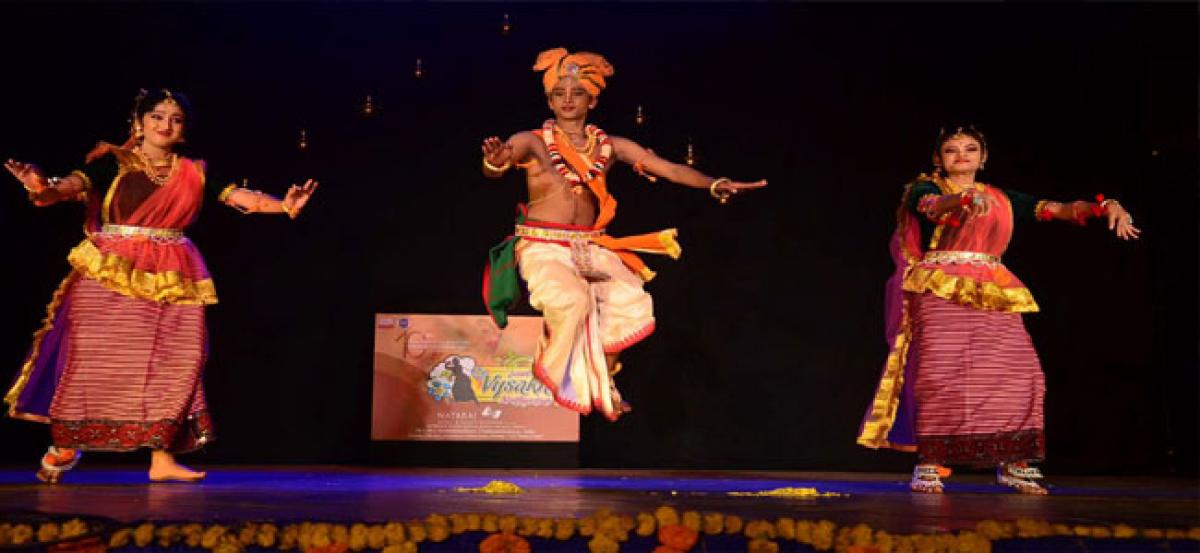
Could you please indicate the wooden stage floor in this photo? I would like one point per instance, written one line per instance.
(328, 493)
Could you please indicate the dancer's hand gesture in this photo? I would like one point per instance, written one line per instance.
(496, 152)
(978, 204)
(1121, 222)
(298, 196)
(29, 175)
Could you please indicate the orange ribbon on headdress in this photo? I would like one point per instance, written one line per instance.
(589, 68)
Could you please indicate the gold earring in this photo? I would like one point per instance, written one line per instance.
(137, 131)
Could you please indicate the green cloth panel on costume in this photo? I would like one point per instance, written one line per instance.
(1023, 206)
(501, 281)
(920, 190)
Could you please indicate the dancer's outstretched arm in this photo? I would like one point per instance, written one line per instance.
(972, 204)
(645, 161)
(254, 201)
(1119, 220)
(46, 191)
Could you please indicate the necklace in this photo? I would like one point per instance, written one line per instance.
(152, 168)
(595, 135)
(588, 145)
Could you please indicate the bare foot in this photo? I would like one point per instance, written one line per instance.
(176, 473)
(163, 468)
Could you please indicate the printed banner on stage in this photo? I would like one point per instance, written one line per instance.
(459, 378)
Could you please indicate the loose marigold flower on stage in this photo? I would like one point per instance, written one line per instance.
(545, 528)
(47, 532)
(192, 534)
(762, 546)
(564, 529)
(508, 524)
(760, 529)
(666, 516)
(458, 523)
(504, 543)
(733, 524)
(394, 533)
(714, 523)
(678, 536)
(645, 525)
(417, 532)
(144, 534)
(527, 526)
(603, 544)
(170, 534)
(439, 533)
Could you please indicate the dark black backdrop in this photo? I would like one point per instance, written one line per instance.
(770, 326)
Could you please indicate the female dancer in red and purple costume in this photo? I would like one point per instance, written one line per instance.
(962, 383)
(117, 365)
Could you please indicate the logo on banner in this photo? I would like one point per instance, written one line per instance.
(451, 379)
(460, 378)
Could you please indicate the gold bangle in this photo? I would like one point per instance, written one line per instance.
(507, 165)
(223, 197)
(283, 206)
(712, 189)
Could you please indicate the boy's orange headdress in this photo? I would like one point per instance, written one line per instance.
(589, 68)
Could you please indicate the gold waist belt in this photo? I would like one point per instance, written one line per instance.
(127, 230)
(943, 257)
(556, 234)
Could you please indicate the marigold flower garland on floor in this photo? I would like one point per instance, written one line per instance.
(602, 532)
